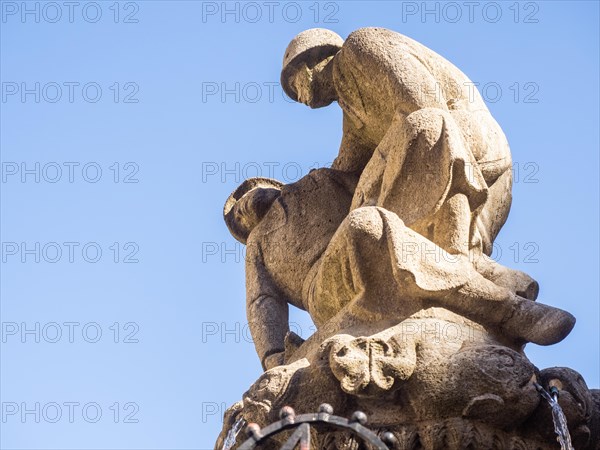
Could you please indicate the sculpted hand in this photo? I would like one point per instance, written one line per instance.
(274, 360)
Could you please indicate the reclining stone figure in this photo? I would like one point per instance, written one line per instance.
(387, 248)
(305, 248)
(431, 184)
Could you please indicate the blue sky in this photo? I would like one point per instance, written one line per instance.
(124, 126)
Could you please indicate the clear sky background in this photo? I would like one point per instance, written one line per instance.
(149, 115)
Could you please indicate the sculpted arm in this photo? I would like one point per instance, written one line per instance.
(354, 153)
(266, 310)
(401, 84)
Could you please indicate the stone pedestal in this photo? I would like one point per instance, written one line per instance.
(433, 383)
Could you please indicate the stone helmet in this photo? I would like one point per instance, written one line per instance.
(310, 47)
(237, 229)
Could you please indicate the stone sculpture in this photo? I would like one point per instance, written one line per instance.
(388, 251)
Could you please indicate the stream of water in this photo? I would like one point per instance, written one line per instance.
(232, 434)
(558, 417)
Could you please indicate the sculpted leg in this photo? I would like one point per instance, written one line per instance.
(449, 227)
(417, 171)
(423, 171)
(376, 268)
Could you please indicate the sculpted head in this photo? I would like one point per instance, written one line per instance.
(248, 204)
(307, 73)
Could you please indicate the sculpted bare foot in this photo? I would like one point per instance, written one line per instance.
(515, 281)
(537, 323)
